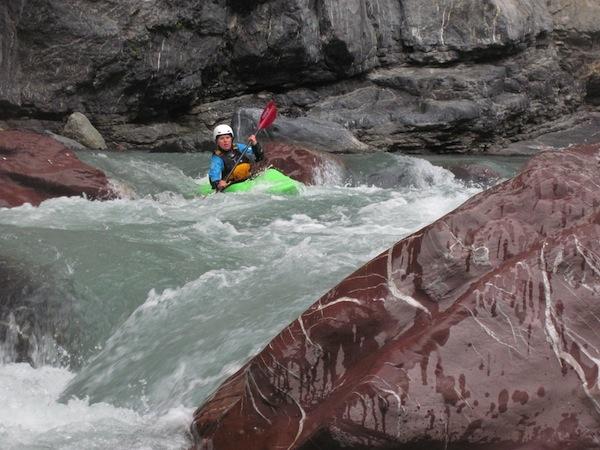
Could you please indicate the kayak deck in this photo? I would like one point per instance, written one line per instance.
(270, 181)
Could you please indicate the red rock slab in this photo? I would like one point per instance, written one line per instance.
(300, 163)
(479, 331)
(35, 167)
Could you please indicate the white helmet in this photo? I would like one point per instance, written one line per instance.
(220, 130)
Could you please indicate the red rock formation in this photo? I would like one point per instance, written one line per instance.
(34, 167)
(298, 162)
(479, 331)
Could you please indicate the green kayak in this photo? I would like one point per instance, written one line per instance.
(271, 181)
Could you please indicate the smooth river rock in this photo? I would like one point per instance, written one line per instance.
(479, 331)
(35, 167)
(304, 164)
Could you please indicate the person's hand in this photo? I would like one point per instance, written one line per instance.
(222, 184)
(252, 139)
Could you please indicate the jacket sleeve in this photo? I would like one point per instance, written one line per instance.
(215, 172)
(258, 152)
(253, 150)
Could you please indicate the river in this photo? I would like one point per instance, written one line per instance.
(169, 293)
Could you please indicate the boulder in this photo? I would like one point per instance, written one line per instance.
(478, 331)
(320, 135)
(35, 167)
(79, 128)
(301, 163)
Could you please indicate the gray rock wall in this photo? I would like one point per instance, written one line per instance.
(442, 30)
(410, 75)
(9, 61)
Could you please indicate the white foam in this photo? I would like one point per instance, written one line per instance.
(32, 417)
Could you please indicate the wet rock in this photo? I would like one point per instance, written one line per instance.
(400, 172)
(478, 331)
(303, 164)
(34, 167)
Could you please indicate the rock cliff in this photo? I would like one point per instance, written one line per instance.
(408, 75)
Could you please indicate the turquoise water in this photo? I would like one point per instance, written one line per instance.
(169, 294)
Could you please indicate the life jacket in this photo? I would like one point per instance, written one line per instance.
(242, 170)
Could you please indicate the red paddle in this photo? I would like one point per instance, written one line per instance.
(266, 119)
(268, 116)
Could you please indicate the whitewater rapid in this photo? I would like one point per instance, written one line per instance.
(169, 294)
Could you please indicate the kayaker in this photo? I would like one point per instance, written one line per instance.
(223, 169)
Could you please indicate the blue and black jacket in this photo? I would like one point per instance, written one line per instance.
(223, 163)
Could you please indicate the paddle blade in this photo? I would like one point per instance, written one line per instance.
(268, 115)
